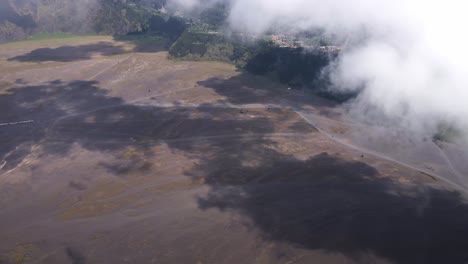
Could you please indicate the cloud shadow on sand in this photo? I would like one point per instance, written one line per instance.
(70, 53)
(320, 203)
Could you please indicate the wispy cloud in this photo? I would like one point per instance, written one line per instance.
(412, 62)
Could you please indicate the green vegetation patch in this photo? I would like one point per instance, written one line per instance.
(213, 46)
(447, 132)
(146, 42)
(53, 35)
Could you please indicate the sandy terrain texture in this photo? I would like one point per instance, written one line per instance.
(110, 155)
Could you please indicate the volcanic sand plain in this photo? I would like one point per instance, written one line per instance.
(110, 155)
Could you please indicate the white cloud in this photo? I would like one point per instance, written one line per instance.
(414, 61)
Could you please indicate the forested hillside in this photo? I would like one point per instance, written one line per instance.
(22, 18)
(197, 35)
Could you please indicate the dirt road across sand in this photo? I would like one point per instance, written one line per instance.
(114, 156)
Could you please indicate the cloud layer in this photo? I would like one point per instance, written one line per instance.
(412, 62)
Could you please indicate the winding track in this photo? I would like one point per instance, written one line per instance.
(303, 114)
(449, 163)
(380, 155)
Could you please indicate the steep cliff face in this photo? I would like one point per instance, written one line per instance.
(122, 17)
(21, 18)
(14, 24)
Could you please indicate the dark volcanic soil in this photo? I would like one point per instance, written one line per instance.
(113, 156)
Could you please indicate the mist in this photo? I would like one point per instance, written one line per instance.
(406, 58)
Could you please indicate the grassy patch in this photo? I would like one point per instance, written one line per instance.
(145, 42)
(22, 254)
(211, 46)
(55, 35)
(448, 133)
(141, 38)
(5, 85)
